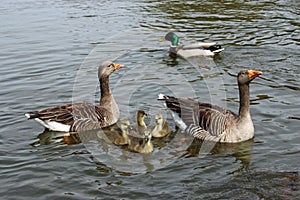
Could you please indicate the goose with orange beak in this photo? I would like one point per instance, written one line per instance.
(83, 116)
(210, 122)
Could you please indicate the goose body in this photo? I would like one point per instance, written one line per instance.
(210, 122)
(161, 127)
(191, 50)
(82, 116)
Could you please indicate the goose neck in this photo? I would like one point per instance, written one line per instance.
(105, 89)
(244, 110)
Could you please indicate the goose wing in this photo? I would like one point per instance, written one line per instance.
(80, 116)
(202, 119)
(61, 114)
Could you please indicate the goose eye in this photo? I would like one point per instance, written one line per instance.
(111, 65)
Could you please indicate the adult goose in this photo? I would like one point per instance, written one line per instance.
(191, 50)
(210, 122)
(161, 127)
(82, 116)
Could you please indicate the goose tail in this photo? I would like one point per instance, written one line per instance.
(216, 48)
(32, 115)
(162, 97)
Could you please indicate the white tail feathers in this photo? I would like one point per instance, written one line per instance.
(218, 50)
(27, 115)
(161, 97)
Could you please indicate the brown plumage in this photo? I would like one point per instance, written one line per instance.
(210, 122)
(83, 116)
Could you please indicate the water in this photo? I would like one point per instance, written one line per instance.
(50, 52)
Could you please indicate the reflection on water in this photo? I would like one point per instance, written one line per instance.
(241, 151)
(167, 149)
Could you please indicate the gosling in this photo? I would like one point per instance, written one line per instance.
(161, 128)
(140, 126)
(118, 133)
(141, 144)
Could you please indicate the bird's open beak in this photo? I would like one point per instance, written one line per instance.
(118, 66)
(253, 74)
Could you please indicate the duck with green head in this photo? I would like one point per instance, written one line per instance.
(191, 50)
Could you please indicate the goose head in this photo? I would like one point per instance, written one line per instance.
(107, 68)
(172, 37)
(246, 76)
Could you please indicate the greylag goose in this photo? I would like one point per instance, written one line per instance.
(83, 116)
(161, 128)
(140, 126)
(141, 144)
(209, 122)
(192, 50)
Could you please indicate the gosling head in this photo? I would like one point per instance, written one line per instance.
(147, 136)
(159, 119)
(140, 117)
(141, 114)
(124, 125)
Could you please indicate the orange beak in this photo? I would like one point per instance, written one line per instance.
(253, 74)
(118, 66)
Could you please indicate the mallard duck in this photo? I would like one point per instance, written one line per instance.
(161, 128)
(141, 144)
(192, 50)
(210, 122)
(74, 117)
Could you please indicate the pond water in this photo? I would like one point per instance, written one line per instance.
(50, 53)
